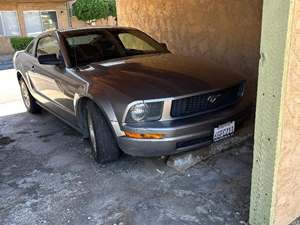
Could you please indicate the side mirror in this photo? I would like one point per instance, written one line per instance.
(164, 45)
(50, 59)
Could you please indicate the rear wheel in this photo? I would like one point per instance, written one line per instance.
(29, 101)
(103, 143)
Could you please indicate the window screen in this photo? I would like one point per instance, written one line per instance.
(49, 20)
(1, 27)
(38, 21)
(9, 25)
(33, 23)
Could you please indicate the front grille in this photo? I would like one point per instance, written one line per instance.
(207, 102)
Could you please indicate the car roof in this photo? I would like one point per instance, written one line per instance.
(70, 31)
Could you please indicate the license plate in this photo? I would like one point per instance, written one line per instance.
(224, 131)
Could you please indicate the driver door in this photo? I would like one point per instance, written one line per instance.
(51, 82)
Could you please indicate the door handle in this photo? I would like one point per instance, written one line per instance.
(32, 68)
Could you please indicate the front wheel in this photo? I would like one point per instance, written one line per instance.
(28, 100)
(103, 143)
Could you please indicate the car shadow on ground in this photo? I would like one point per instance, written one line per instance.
(47, 176)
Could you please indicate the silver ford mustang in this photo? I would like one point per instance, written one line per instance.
(126, 92)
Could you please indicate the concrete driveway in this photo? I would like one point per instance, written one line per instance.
(10, 97)
(47, 176)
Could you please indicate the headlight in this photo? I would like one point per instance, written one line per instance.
(144, 112)
(138, 112)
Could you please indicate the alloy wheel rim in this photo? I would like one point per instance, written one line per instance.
(25, 95)
(92, 134)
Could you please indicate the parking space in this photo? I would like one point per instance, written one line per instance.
(47, 176)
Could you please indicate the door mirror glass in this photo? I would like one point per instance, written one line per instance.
(50, 59)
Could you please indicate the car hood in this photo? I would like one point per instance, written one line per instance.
(158, 76)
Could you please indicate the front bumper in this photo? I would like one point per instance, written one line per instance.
(181, 135)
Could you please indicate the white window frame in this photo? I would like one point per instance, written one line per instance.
(2, 23)
(39, 11)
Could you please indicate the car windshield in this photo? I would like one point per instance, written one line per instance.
(88, 46)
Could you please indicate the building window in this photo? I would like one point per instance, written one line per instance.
(9, 25)
(38, 21)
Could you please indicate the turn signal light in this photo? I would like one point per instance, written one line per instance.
(144, 136)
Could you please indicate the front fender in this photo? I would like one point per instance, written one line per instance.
(105, 107)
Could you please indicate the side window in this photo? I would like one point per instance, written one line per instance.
(46, 46)
(132, 42)
(29, 48)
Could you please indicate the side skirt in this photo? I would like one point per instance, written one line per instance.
(75, 127)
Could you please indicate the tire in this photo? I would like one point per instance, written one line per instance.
(103, 143)
(29, 101)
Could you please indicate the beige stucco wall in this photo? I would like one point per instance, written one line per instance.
(227, 32)
(287, 202)
(5, 46)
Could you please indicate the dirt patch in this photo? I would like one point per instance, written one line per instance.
(45, 135)
(23, 132)
(70, 132)
(5, 140)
